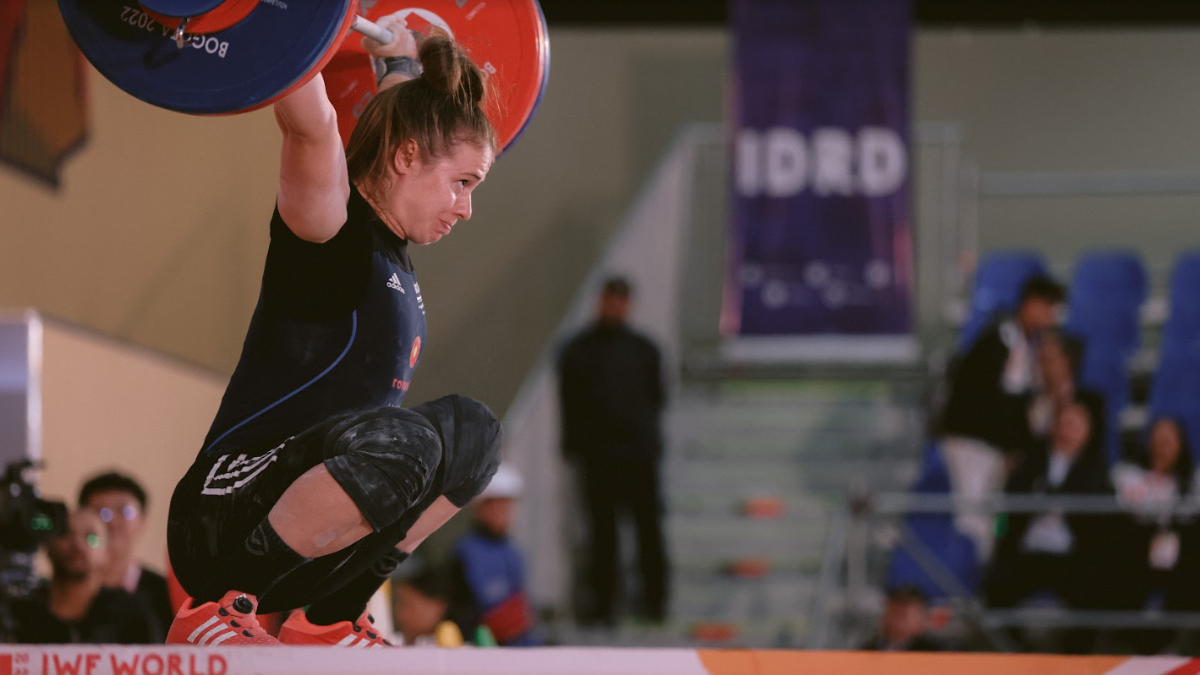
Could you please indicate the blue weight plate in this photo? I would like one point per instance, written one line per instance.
(240, 68)
(181, 8)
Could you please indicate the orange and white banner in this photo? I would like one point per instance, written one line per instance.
(116, 660)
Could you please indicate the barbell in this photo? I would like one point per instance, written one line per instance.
(220, 57)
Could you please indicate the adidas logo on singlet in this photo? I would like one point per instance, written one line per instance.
(394, 282)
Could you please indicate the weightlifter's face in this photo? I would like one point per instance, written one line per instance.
(432, 194)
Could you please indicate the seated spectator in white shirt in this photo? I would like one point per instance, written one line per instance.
(1153, 485)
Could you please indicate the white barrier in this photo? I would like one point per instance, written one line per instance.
(185, 660)
(182, 660)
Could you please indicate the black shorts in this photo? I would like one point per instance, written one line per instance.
(224, 496)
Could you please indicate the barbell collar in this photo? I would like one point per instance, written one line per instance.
(372, 30)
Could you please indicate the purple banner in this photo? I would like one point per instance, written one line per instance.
(821, 239)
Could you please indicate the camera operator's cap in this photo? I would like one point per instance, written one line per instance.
(506, 483)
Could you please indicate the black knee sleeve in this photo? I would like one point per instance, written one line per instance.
(471, 438)
(385, 460)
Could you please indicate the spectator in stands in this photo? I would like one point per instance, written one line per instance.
(420, 604)
(1055, 550)
(612, 397)
(1153, 485)
(904, 623)
(986, 418)
(75, 606)
(489, 572)
(1147, 547)
(1059, 357)
(120, 502)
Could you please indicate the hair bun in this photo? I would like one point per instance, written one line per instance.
(449, 71)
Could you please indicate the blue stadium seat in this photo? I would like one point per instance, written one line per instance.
(1106, 327)
(1107, 371)
(934, 477)
(954, 550)
(998, 283)
(1104, 303)
(1106, 295)
(1183, 321)
(1111, 276)
(1175, 389)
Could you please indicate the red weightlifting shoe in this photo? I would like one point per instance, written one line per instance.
(358, 634)
(228, 621)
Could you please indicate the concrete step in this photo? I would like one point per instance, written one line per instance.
(782, 478)
(736, 538)
(773, 597)
(729, 503)
(802, 442)
(841, 414)
(793, 446)
(713, 562)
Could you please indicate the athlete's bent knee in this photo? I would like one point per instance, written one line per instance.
(472, 438)
(385, 460)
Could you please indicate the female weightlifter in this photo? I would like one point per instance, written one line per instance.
(313, 484)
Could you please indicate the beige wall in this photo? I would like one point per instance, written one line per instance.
(158, 233)
(150, 237)
(1072, 101)
(108, 405)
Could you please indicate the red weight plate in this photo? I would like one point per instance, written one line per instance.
(180, 8)
(220, 18)
(507, 40)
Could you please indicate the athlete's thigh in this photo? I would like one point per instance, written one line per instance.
(225, 495)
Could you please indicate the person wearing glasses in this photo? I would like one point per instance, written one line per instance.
(74, 606)
(120, 501)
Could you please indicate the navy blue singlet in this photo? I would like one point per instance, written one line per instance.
(339, 327)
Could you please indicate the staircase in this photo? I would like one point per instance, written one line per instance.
(751, 579)
(746, 580)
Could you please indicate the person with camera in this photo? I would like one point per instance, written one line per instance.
(74, 606)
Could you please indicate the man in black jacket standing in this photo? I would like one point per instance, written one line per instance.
(986, 423)
(612, 398)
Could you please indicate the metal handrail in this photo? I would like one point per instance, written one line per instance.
(869, 507)
(894, 503)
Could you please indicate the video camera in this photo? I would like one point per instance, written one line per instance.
(26, 522)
